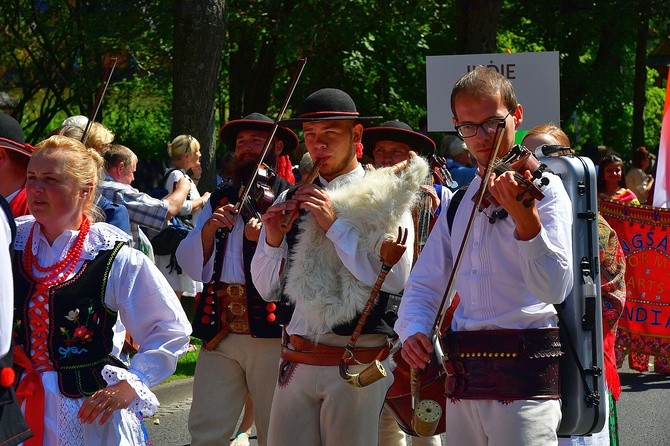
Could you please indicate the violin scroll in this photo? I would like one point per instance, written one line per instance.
(518, 160)
(441, 174)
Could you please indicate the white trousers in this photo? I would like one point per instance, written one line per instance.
(492, 423)
(317, 407)
(239, 365)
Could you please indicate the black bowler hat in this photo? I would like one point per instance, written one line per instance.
(11, 136)
(328, 104)
(257, 121)
(400, 132)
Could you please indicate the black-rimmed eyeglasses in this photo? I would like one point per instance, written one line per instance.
(489, 127)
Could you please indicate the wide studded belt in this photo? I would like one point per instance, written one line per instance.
(502, 364)
(232, 300)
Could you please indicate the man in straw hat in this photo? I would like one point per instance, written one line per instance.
(241, 333)
(503, 346)
(334, 229)
(14, 156)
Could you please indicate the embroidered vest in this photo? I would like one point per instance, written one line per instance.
(264, 317)
(81, 326)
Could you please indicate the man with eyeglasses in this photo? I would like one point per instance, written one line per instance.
(502, 348)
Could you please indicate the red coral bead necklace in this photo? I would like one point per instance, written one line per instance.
(60, 270)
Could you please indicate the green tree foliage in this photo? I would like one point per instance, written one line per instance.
(374, 49)
(55, 55)
(596, 42)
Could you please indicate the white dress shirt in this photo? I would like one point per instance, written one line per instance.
(502, 282)
(190, 256)
(6, 287)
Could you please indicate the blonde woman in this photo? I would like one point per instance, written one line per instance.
(73, 279)
(184, 153)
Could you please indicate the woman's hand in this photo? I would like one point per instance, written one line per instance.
(105, 401)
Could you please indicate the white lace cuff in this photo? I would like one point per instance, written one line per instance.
(145, 402)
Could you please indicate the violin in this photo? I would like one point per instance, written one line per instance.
(260, 196)
(245, 191)
(517, 160)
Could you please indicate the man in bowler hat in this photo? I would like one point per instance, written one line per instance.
(334, 231)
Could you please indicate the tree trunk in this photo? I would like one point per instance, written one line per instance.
(477, 25)
(199, 31)
(640, 82)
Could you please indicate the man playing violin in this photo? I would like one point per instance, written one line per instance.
(320, 247)
(502, 349)
(241, 334)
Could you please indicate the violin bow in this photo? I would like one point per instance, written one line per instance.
(450, 291)
(296, 77)
(98, 100)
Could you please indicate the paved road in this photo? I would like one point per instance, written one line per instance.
(643, 415)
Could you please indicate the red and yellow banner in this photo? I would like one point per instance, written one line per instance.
(644, 234)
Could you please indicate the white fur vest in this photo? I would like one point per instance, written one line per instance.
(317, 281)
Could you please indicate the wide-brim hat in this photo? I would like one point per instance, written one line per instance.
(328, 104)
(400, 132)
(257, 121)
(11, 136)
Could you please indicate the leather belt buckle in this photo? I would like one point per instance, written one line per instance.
(239, 326)
(235, 290)
(237, 308)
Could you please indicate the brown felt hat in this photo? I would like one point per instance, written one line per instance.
(400, 132)
(257, 121)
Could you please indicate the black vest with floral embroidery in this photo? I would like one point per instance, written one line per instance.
(81, 326)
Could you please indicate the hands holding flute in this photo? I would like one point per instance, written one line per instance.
(279, 218)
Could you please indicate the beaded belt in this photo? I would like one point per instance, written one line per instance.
(502, 364)
(232, 300)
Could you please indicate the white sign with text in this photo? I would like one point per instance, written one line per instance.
(535, 77)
